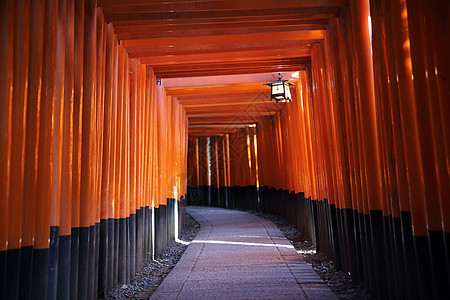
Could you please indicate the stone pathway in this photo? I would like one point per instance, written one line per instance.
(236, 255)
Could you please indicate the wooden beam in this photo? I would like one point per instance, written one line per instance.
(223, 84)
(214, 24)
(218, 126)
(211, 132)
(161, 24)
(214, 105)
(232, 65)
(237, 106)
(230, 68)
(126, 7)
(224, 120)
(223, 39)
(207, 91)
(214, 100)
(240, 109)
(206, 31)
(236, 115)
(298, 51)
(216, 48)
(230, 72)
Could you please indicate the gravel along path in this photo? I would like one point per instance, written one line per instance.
(153, 273)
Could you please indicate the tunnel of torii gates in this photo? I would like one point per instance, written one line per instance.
(98, 156)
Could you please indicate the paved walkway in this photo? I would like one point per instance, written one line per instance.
(236, 255)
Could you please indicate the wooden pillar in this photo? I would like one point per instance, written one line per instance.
(421, 25)
(63, 288)
(222, 170)
(31, 149)
(55, 208)
(120, 169)
(203, 169)
(44, 171)
(214, 172)
(19, 76)
(396, 191)
(192, 162)
(99, 124)
(367, 103)
(107, 179)
(88, 201)
(134, 94)
(6, 83)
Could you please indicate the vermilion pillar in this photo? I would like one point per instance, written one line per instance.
(31, 149)
(18, 134)
(44, 170)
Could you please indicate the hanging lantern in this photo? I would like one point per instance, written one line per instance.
(280, 89)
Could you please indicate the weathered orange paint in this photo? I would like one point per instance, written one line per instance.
(6, 76)
(134, 99)
(67, 126)
(347, 87)
(367, 104)
(125, 192)
(33, 101)
(18, 119)
(113, 128)
(101, 112)
(423, 67)
(336, 115)
(88, 153)
(408, 119)
(108, 155)
(77, 112)
(318, 71)
(119, 142)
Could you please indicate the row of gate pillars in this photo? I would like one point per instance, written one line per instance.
(355, 242)
(92, 260)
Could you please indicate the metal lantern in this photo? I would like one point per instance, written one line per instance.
(280, 89)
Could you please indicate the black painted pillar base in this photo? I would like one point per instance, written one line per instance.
(12, 273)
(2, 274)
(111, 254)
(139, 239)
(222, 197)
(170, 223)
(378, 251)
(157, 233)
(214, 196)
(206, 195)
(74, 259)
(132, 239)
(103, 258)
(182, 213)
(40, 274)
(122, 254)
(163, 227)
(439, 258)
(26, 267)
(92, 262)
(53, 262)
(352, 256)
